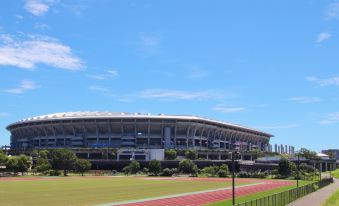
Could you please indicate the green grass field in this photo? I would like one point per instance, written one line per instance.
(335, 173)
(94, 190)
(333, 200)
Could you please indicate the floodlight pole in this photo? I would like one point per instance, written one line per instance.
(298, 168)
(233, 178)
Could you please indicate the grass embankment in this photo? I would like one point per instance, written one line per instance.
(256, 195)
(333, 200)
(94, 190)
(335, 173)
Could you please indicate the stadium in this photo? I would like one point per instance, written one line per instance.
(134, 135)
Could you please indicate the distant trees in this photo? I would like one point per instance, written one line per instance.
(170, 154)
(17, 164)
(82, 165)
(284, 168)
(154, 167)
(187, 166)
(3, 158)
(62, 159)
(308, 154)
(191, 154)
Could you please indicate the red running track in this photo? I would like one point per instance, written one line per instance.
(214, 196)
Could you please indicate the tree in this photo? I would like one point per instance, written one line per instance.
(134, 167)
(82, 165)
(12, 164)
(62, 159)
(223, 171)
(308, 154)
(154, 167)
(170, 154)
(284, 167)
(3, 158)
(42, 165)
(187, 166)
(23, 163)
(191, 154)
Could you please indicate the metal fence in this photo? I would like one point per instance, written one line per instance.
(286, 197)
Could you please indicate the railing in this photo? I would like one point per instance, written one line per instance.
(288, 196)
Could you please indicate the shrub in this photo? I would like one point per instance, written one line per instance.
(191, 154)
(168, 172)
(154, 167)
(170, 154)
(54, 173)
(186, 166)
(134, 167)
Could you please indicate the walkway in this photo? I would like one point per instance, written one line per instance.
(319, 197)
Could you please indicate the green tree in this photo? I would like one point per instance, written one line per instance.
(12, 164)
(82, 165)
(284, 167)
(42, 165)
(3, 158)
(187, 166)
(191, 154)
(154, 167)
(170, 154)
(62, 159)
(308, 154)
(23, 163)
(223, 170)
(134, 167)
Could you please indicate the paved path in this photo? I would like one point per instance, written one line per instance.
(319, 197)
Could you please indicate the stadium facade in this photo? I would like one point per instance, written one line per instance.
(134, 134)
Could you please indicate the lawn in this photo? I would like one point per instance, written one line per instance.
(333, 200)
(256, 195)
(335, 173)
(94, 190)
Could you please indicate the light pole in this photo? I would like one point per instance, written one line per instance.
(298, 168)
(233, 177)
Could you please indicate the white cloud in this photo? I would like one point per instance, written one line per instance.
(109, 74)
(322, 37)
(332, 118)
(24, 86)
(38, 7)
(4, 114)
(279, 126)
(197, 73)
(41, 26)
(332, 11)
(305, 100)
(165, 94)
(35, 50)
(98, 88)
(149, 44)
(325, 82)
(225, 109)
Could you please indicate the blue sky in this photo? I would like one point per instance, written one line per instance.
(271, 65)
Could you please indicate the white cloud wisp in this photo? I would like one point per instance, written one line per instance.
(25, 85)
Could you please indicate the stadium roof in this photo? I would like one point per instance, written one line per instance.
(127, 115)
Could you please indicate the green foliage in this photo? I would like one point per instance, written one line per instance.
(126, 170)
(134, 167)
(210, 171)
(154, 167)
(191, 154)
(257, 154)
(284, 168)
(170, 154)
(333, 200)
(3, 158)
(308, 154)
(82, 165)
(168, 172)
(186, 166)
(19, 163)
(223, 171)
(62, 159)
(42, 165)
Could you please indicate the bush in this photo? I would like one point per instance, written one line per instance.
(243, 174)
(134, 167)
(154, 167)
(54, 173)
(210, 171)
(170, 154)
(223, 171)
(168, 172)
(186, 166)
(285, 167)
(145, 170)
(191, 154)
